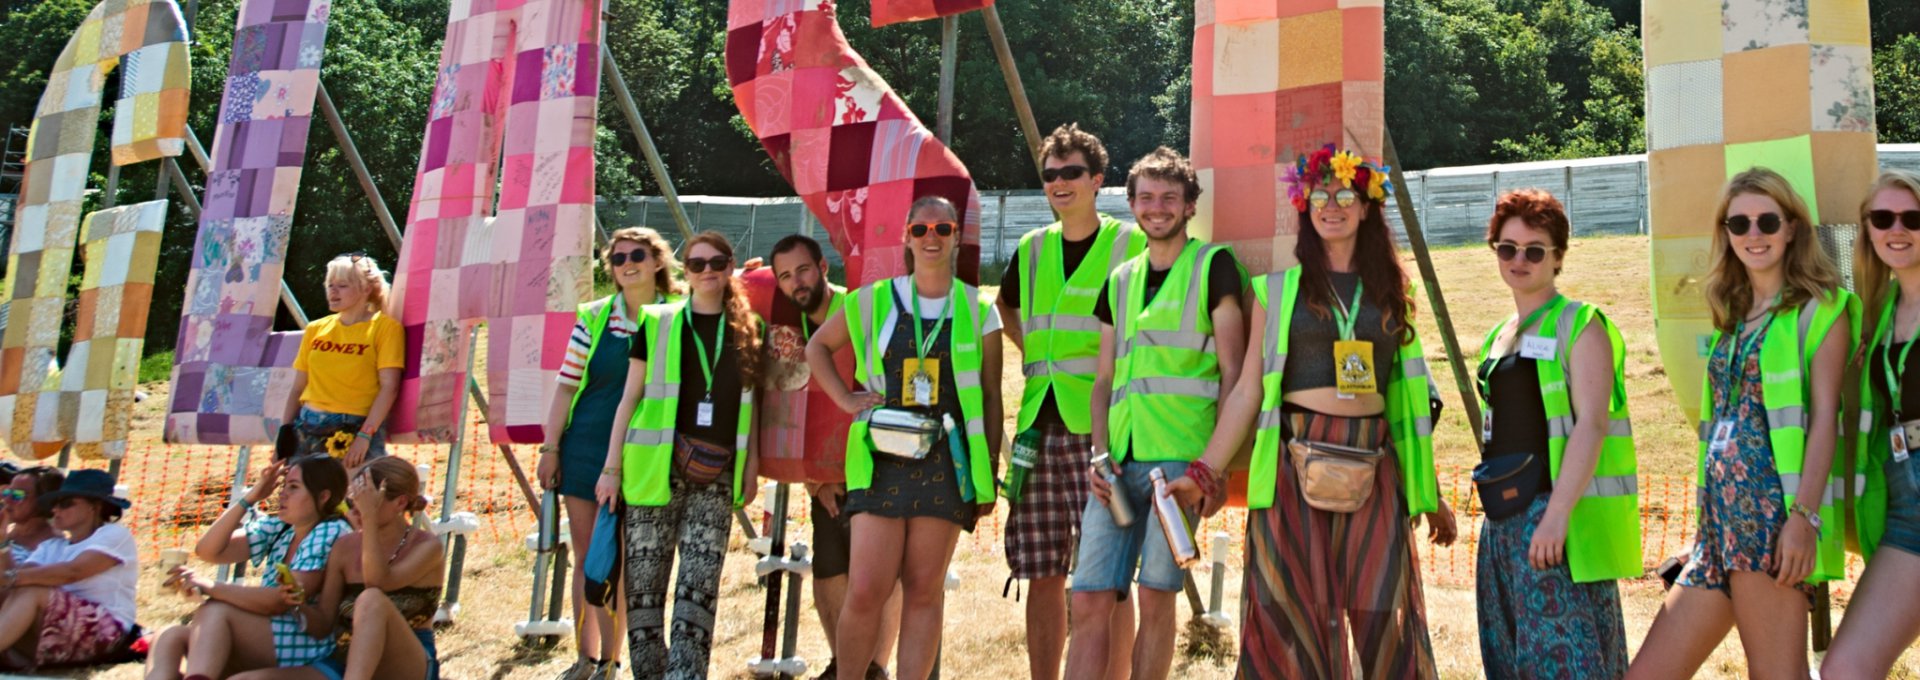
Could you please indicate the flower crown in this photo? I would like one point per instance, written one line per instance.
(1344, 168)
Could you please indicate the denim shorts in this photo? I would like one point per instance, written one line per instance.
(335, 667)
(1903, 505)
(1109, 554)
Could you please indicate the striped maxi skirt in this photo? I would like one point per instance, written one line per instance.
(1316, 578)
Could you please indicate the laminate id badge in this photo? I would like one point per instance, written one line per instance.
(1722, 437)
(703, 413)
(1538, 348)
(1897, 436)
(921, 380)
(1353, 372)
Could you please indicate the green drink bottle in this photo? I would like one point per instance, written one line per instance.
(1026, 454)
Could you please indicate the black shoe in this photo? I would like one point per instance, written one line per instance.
(831, 672)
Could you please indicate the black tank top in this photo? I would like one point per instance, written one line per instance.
(1519, 412)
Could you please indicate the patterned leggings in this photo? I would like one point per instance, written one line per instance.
(696, 522)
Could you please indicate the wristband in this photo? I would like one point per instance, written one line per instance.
(363, 434)
(1209, 481)
(610, 472)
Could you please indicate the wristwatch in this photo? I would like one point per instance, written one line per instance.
(1812, 516)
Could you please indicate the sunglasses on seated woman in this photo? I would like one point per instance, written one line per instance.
(717, 263)
(919, 229)
(1535, 253)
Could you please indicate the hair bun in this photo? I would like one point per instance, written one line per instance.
(417, 503)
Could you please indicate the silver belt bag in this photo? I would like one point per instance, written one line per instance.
(903, 434)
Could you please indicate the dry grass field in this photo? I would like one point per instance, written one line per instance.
(985, 631)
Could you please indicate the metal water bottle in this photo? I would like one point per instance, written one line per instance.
(1117, 504)
(1026, 455)
(1173, 523)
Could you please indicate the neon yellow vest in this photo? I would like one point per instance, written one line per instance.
(598, 313)
(1063, 345)
(871, 305)
(1793, 336)
(647, 454)
(1603, 532)
(1409, 414)
(1166, 370)
(1873, 450)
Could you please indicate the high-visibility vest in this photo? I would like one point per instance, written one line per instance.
(1786, 355)
(870, 306)
(647, 452)
(1603, 532)
(1062, 343)
(1166, 370)
(597, 313)
(1409, 413)
(1873, 449)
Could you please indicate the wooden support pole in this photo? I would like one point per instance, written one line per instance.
(949, 61)
(1415, 236)
(1003, 52)
(359, 165)
(631, 111)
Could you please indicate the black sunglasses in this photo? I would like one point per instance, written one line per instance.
(919, 229)
(717, 263)
(1738, 225)
(620, 259)
(1066, 172)
(1535, 253)
(1885, 219)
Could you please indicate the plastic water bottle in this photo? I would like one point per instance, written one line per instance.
(1026, 455)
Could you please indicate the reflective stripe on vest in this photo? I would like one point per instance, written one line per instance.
(1603, 531)
(872, 305)
(1786, 355)
(647, 446)
(1062, 336)
(1166, 373)
(1409, 415)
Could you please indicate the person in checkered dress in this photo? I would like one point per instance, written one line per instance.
(300, 535)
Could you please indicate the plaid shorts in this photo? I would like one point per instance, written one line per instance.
(1044, 529)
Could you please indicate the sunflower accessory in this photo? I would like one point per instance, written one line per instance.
(338, 444)
(1341, 168)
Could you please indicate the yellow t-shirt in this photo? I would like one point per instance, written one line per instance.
(343, 362)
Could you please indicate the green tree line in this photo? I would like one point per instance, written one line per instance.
(1472, 81)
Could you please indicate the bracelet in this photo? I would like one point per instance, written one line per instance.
(362, 434)
(610, 472)
(1206, 478)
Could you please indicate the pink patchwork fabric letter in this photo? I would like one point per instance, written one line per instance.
(512, 120)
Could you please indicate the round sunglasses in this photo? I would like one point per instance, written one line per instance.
(1534, 253)
(620, 259)
(1885, 219)
(1345, 198)
(919, 229)
(1739, 225)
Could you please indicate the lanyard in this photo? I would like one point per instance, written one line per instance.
(1737, 363)
(1344, 314)
(706, 367)
(1486, 374)
(1896, 371)
(923, 345)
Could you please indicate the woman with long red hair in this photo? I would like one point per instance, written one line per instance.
(1335, 373)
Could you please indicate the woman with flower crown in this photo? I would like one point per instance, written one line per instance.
(1343, 455)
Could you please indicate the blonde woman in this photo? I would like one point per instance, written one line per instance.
(580, 420)
(1769, 424)
(348, 369)
(1882, 621)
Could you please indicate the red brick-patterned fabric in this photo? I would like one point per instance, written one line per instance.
(898, 11)
(849, 146)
